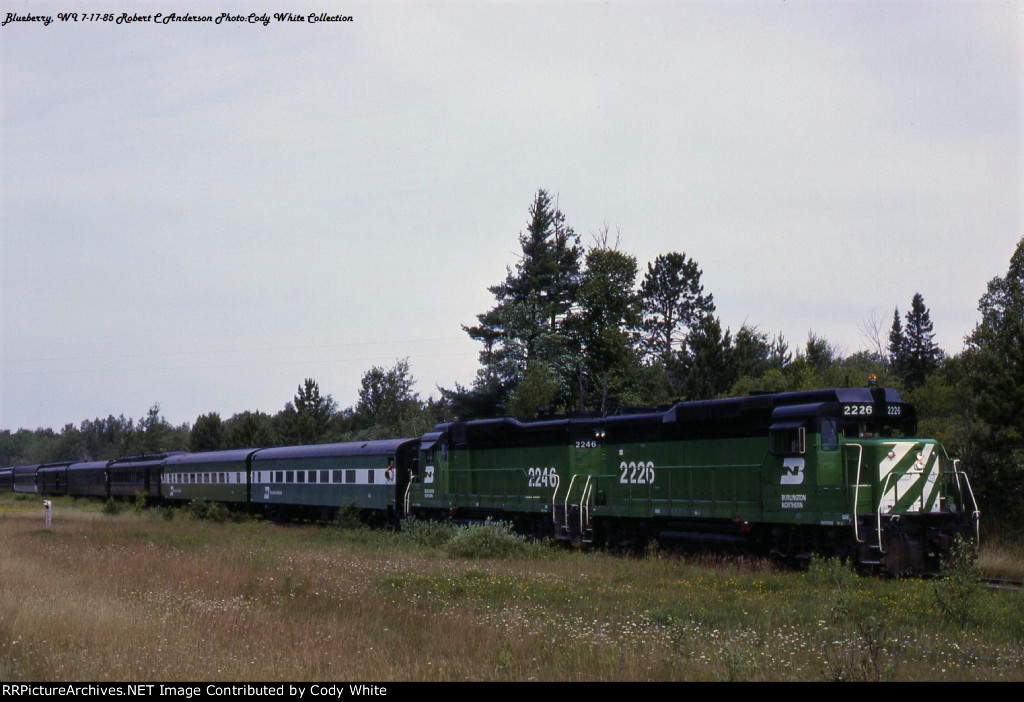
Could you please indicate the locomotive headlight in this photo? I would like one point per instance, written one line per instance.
(891, 455)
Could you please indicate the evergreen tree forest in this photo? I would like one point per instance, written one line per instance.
(585, 328)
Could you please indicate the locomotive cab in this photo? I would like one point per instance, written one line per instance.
(846, 474)
(908, 497)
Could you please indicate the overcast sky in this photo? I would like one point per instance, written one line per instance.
(202, 215)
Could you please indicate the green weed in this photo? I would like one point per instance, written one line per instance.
(958, 591)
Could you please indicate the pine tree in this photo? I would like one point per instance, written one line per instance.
(913, 353)
(923, 355)
(779, 355)
(673, 302)
(534, 303)
(750, 353)
(819, 353)
(707, 360)
(307, 419)
(897, 346)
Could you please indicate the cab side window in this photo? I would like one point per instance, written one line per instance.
(829, 434)
(788, 440)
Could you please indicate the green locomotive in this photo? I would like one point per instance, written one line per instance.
(836, 472)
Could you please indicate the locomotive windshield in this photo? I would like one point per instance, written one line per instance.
(865, 421)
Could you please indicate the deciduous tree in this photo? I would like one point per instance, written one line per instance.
(387, 405)
(207, 433)
(607, 326)
(995, 356)
(250, 430)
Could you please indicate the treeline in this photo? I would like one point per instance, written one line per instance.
(578, 329)
(387, 408)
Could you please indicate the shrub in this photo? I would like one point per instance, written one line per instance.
(487, 540)
(208, 511)
(349, 517)
(425, 533)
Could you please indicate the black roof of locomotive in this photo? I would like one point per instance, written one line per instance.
(725, 417)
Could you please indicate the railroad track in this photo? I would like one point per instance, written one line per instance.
(1000, 584)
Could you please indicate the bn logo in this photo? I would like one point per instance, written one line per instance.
(792, 471)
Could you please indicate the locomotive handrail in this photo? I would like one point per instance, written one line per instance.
(956, 483)
(856, 493)
(976, 513)
(878, 512)
(407, 499)
(568, 492)
(956, 476)
(554, 503)
(585, 504)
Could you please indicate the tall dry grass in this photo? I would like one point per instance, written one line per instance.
(135, 597)
(998, 559)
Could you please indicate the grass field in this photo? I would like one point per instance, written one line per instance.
(136, 596)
